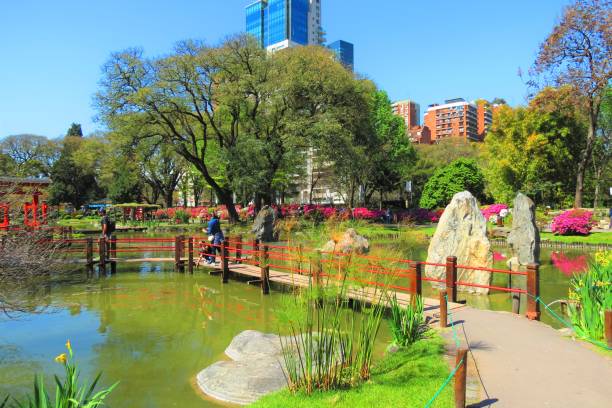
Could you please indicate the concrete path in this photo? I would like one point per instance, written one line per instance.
(523, 363)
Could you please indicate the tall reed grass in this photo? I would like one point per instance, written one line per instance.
(408, 325)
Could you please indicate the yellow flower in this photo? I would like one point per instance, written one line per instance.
(61, 358)
(68, 345)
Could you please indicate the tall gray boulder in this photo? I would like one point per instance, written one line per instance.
(524, 238)
(263, 227)
(462, 232)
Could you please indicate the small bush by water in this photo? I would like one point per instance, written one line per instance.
(408, 325)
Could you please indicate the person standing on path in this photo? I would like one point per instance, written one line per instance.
(214, 230)
(108, 227)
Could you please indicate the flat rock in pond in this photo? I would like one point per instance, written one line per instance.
(256, 369)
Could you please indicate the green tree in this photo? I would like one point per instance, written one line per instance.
(528, 148)
(433, 157)
(32, 155)
(460, 175)
(75, 130)
(71, 183)
(578, 53)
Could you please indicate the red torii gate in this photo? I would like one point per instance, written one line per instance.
(10, 186)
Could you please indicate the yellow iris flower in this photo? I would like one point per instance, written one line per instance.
(61, 358)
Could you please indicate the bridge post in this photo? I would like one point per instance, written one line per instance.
(265, 271)
(178, 253)
(317, 269)
(238, 249)
(255, 251)
(533, 291)
(89, 254)
(608, 327)
(113, 253)
(443, 310)
(460, 378)
(224, 262)
(102, 252)
(416, 283)
(190, 254)
(451, 278)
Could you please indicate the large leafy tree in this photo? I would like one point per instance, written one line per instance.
(578, 53)
(528, 148)
(31, 155)
(462, 174)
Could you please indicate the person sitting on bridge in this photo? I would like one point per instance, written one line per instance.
(214, 230)
(206, 250)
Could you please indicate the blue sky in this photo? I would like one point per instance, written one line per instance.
(427, 51)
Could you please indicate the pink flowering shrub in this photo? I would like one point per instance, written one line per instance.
(493, 209)
(573, 222)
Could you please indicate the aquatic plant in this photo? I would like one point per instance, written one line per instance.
(408, 324)
(590, 296)
(573, 222)
(69, 393)
(331, 342)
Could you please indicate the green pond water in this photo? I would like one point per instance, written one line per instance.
(154, 330)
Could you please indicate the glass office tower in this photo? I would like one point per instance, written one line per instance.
(344, 53)
(278, 24)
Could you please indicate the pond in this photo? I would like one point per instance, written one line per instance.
(150, 328)
(154, 330)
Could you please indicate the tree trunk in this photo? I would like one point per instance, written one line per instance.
(586, 154)
(168, 198)
(597, 179)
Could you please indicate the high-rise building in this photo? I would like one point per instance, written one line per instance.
(457, 118)
(344, 53)
(279, 24)
(410, 111)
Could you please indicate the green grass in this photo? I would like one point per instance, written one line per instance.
(593, 238)
(408, 378)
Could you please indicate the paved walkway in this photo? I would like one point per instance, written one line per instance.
(524, 363)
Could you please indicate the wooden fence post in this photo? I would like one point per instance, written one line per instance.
(317, 269)
(460, 378)
(238, 249)
(190, 255)
(451, 278)
(224, 262)
(533, 291)
(608, 327)
(255, 251)
(102, 252)
(265, 271)
(416, 284)
(89, 253)
(113, 253)
(443, 310)
(178, 253)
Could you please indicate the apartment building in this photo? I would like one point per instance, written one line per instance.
(458, 118)
(410, 111)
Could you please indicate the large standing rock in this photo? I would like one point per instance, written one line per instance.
(263, 227)
(524, 239)
(349, 242)
(462, 232)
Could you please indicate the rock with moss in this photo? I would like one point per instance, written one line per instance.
(349, 242)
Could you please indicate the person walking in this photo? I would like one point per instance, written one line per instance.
(214, 230)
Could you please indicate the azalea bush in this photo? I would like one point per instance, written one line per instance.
(573, 222)
(494, 209)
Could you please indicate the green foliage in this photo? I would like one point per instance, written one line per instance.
(460, 175)
(27, 155)
(592, 292)
(331, 342)
(182, 216)
(408, 325)
(75, 130)
(69, 392)
(407, 378)
(528, 149)
(73, 182)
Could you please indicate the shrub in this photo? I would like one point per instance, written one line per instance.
(408, 325)
(493, 209)
(161, 214)
(462, 174)
(573, 222)
(69, 393)
(182, 216)
(591, 294)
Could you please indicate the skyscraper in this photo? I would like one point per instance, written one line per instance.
(344, 53)
(279, 24)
